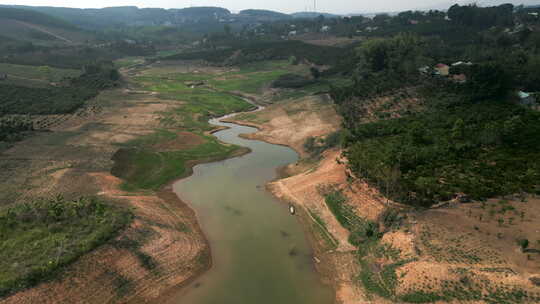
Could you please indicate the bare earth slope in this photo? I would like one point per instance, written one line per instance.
(459, 250)
(291, 123)
(162, 249)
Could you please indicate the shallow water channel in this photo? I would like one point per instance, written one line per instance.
(260, 252)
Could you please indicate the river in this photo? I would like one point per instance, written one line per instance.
(260, 252)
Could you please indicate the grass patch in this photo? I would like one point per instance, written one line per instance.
(320, 226)
(146, 169)
(39, 238)
(200, 104)
(249, 82)
(361, 229)
(127, 62)
(143, 168)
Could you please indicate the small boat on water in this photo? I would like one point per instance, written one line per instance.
(291, 209)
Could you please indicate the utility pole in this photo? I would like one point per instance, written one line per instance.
(315, 6)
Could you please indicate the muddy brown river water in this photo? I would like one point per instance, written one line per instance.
(260, 252)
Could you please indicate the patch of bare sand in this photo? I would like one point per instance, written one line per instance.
(401, 240)
(468, 243)
(304, 190)
(291, 123)
(138, 119)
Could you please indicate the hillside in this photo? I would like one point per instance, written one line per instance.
(264, 15)
(39, 28)
(312, 15)
(134, 16)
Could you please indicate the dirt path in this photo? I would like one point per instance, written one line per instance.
(40, 29)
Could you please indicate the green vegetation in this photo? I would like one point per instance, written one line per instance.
(316, 146)
(320, 226)
(247, 82)
(33, 17)
(57, 100)
(21, 74)
(254, 51)
(471, 137)
(200, 105)
(142, 166)
(127, 62)
(483, 150)
(361, 230)
(40, 237)
(12, 129)
(292, 81)
(148, 169)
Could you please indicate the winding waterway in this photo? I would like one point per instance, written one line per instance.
(260, 253)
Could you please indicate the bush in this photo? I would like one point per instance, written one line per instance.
(523, 243)
(360, 229)
(316, 146)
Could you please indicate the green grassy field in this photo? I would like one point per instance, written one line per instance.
(200, 104)
(127, 62)
(249, 78)
(142, 168)
(253, 78)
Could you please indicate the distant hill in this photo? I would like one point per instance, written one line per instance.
(134, 16)
(34, 17)
(264, 14)
(312, 15)
(22, 25)
(131, 15)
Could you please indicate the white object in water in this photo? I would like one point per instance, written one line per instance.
(291, 209)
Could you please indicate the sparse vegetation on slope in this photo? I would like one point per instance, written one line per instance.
(40, 237)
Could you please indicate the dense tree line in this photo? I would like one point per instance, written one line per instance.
(58, 100)
(482, 17)
(34, 17)
(72, 57)
(471, 137)
(252, 51)
(13, 128)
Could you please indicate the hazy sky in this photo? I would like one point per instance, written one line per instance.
(288, 6)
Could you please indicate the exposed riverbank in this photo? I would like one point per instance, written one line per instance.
(424, 250)
(164, 247)
(290, 124)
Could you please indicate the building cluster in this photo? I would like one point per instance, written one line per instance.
(443, 70)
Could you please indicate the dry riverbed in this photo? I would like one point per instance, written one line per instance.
(160, 251)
